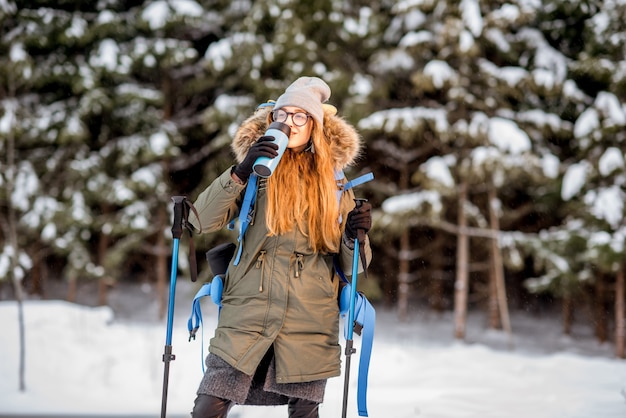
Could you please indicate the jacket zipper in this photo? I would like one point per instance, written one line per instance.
(260, 264)
(299, 264)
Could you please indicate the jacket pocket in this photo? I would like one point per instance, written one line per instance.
(314, 277)
(247, 280)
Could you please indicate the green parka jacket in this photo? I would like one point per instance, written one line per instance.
(281, 292)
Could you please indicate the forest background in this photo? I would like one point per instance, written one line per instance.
(495, 131)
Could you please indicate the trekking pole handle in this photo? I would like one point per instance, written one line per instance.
(358, 202)
(177, 226)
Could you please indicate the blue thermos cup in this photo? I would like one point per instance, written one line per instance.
(264, 166)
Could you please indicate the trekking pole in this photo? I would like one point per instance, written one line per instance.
(177, 231)
(349, 338)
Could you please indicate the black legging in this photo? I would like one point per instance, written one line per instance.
(207, 406)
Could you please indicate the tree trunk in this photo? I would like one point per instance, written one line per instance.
(494, 312)
(620, 314)
(568, 314)
(403, 277)
(36, 273)
(403, 270)
(72, 287)
(498, 266)
(13, 262)
(462, 269)
(104, 282)
(436, 294)
(600, 315)
(161, 263)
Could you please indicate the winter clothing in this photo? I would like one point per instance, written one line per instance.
(307, 93)
(264, 147)
(302, 408)
(359, 219)
(207, 406)
(224, 381)
(277, 335)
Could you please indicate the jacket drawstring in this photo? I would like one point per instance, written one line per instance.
(260, 264)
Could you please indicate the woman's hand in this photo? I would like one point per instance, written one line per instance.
(264, 147)
(359, 218)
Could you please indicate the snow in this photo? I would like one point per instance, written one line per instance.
(148, 175)
(82, 360)
(550, 165)
(17, 53)
(439, 72)
(470, 10)
(8, 118)
(611, 108)
(361, 85)
(26, 186)
(574, 179)
(410, 201)
(507, 14)
(611, 160)
(437, 169)
(415, 39)
(107, 55)
(404, 119)
(136, 215)
(607, 204)
(158, 13)
(507, 136)
(159, 142)
(360, 26)
(587, 122)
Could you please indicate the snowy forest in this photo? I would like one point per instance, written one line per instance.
(495, 130)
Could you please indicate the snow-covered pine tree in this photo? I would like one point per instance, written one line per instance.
(484, 101)
(91, 128)
(589, 246)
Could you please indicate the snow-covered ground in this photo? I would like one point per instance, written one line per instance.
(85, 360)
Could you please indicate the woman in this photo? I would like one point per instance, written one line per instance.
(276, 340)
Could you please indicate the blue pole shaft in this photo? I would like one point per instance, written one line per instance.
(349, 348)
(355, 273)
(170, 309)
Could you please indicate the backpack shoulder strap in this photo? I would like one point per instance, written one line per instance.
(245, 213)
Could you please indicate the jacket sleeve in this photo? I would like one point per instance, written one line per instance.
(218, 204)
(346, 253)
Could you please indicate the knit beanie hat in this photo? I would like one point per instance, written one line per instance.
(307, 93)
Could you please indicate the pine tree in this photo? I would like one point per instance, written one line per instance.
(92, 132)
(593, 183)
(482, 102)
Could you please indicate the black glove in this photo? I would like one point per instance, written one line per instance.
(359, 218)
(264, 147)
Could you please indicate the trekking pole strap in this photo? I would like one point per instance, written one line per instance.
(213, 289)
(364, 324)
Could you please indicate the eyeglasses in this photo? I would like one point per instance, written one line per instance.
(298, 118)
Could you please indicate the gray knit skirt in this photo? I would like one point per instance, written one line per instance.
(224, 381)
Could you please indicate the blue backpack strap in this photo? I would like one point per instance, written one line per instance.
(358, 181)
(365, 321)
(214, 290)
(245, 215)
(341, 187)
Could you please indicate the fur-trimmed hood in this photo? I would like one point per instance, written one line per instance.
(346, 143)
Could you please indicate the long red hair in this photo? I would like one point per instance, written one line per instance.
(301, 193)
